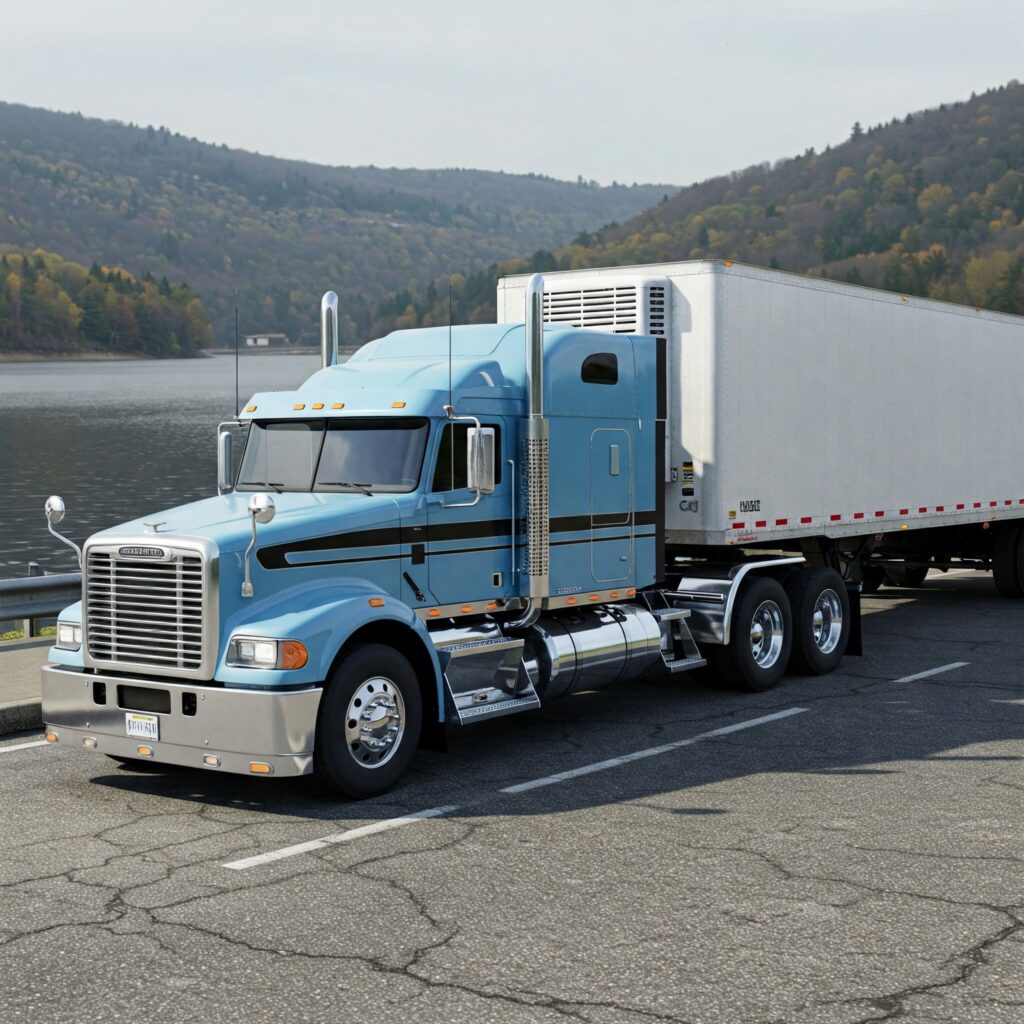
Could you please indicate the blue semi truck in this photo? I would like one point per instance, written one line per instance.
(458, 524)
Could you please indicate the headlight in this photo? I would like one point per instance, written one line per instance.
(69, 636)
(261, 652)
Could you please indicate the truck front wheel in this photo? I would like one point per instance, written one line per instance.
(821, 619)
(369, 721)
(761, 636)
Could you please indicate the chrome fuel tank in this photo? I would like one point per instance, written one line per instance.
(589, 648)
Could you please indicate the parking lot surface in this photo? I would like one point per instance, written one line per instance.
(839, 849)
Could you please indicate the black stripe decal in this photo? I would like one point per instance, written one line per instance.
(275, 556)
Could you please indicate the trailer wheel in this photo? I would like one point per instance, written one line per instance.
(761, 636)
(906, 575)
(873, 578)
(821, 620)
(368, 725)
(1006, 559)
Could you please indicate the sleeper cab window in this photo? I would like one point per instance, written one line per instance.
(600, 368)
(451, 472)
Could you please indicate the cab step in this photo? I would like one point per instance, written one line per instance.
(484, 678)
(679, 650)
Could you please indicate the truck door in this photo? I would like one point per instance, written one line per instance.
(469, 548)
(611, 505)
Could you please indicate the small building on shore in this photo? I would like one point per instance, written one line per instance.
(267, 341)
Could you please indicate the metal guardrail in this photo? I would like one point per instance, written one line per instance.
(37, 596)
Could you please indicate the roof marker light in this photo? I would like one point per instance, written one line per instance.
(398, 405)
(434, 613)
(250, 408)
(631, 592)
(299, 405)
(466, 608)
(337, 405)
(318, 405)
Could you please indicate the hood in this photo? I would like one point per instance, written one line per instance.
(225, 518)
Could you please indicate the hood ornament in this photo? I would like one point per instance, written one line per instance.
(155, 527)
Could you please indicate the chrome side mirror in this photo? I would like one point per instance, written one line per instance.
(480, 459)
(261, 510)
(55, 510)
(225, 469)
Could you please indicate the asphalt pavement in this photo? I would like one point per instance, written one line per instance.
(840, 849)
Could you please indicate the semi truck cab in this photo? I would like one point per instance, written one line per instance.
(458, 523)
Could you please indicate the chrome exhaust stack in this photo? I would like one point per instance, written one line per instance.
(535, 459)
(329, 329)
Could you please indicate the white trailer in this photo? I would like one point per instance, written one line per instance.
(874, 433)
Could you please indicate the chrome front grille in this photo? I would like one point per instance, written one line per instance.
(145, 612)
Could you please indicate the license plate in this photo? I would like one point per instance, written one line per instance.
(146, 727)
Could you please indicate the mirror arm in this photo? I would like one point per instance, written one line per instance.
(247, 584)
(220, 429)
(64, 540)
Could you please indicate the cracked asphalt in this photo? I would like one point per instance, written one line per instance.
(859, 862)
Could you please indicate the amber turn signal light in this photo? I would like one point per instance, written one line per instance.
(292, 654)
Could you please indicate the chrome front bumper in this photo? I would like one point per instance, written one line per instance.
(236, 726)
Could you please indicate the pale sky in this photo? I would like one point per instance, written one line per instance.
(643, 90)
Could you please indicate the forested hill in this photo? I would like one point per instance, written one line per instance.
(280, 231)
(929, 204)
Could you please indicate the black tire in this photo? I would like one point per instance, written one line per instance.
(906, 575)
(353, 768)
(1006, 560)
(819, 640)
(874, 577)
(736, 664)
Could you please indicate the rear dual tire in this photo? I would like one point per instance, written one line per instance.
(1008, 560)
(804, 625)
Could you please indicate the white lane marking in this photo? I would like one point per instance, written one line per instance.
(614, 762)
(437, 812)
(340, 837)
(932, 672)
(23, 746)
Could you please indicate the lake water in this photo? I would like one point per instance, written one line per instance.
(116, 440)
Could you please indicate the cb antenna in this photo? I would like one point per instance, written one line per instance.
(450, 344)
(236, 353)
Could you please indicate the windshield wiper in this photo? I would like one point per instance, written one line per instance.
(365, 488)
(262, 483)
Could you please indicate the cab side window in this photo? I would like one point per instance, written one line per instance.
(450, 473)
(600, 368)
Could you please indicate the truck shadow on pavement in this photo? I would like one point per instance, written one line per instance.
(860, 721)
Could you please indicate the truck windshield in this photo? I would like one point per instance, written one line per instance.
(334, 455)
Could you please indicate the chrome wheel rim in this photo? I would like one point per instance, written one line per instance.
(766, 634)
(827, 621)
(374, 722)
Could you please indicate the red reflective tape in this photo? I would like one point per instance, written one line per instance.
(923, 508)
(835, 519)
(805, 519)
(992, 504)
(858, 515)
(879, 514)
(1007, 502)
(904, 511)
(781, 522)
(977, 504)
(960, 506)
(940, 508)
(737, 526)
